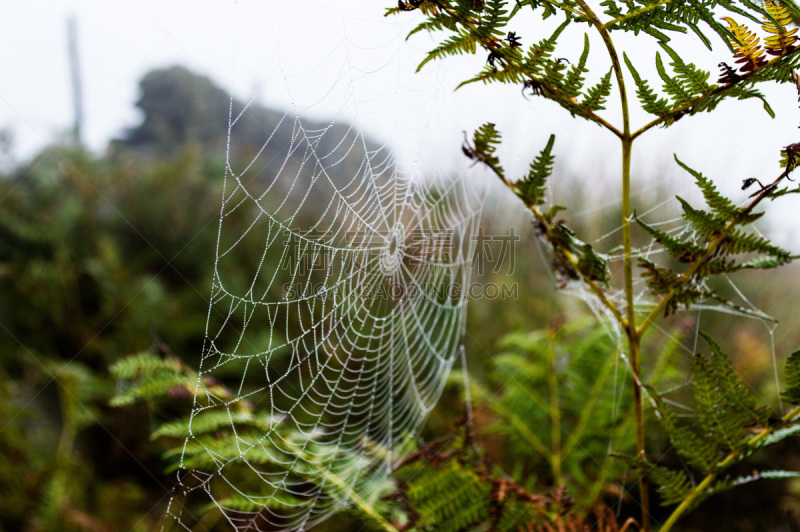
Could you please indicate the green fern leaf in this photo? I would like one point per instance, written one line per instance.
(674, 86)
(494, 20)
(766, 263)
(740, 91)
(593, 265)
(730, 385)
(538, 53)
(650, 102)
(274, 501)
(436, 22)
(533, 187)
(574, 79)
(595, 98)
(694, 80)
(673, 486)
(792, 391)
(457, 45)
(685, 251)
(706, 224)
(714, 199)
(700, 452)
(157, 385)
(448, 498)
(727, 406)
(739, 242)
(143, 364)
(211, 421)
(486, 140)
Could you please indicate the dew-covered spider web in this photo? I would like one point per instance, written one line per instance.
(337, 306)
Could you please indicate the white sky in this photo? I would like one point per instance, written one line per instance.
(344, 58)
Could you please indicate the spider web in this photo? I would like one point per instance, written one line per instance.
(334, 339)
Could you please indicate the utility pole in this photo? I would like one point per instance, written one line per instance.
(77, 87)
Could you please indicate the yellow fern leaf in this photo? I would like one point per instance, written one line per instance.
(781, 41)
(746, 44)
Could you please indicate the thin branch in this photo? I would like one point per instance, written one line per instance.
(591, 114)
(571, 258)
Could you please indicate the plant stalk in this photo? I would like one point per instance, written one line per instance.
(571, 258)
(634, 338)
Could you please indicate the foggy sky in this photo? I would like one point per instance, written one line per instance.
(345, 60)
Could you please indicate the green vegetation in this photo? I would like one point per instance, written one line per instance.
(719, 236)
(104, 279)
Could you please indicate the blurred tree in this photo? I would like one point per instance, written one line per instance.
(179, 108)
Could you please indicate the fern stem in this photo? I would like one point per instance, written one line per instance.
(634, 339)
(571, 258)
(729, 460)
(553, 94)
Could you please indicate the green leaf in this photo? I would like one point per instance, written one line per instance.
(686, 251)
(673, 86)
(766, 263)
(714, 199)
(650, 102)
(449, 498)
(456, 45)
(144, 363)
(792, 391)
(486, 140)
(701, 453)
(727, 405)
(738, 242)
(533, 187)
(673, 486)
(694, 80)
(574, 80)
(595, 98)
